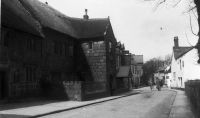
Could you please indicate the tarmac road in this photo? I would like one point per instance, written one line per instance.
(155, 104)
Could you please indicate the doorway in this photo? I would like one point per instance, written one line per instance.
(3, 85)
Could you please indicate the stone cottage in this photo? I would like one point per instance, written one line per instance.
(70, 57)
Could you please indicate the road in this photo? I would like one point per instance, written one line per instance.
(155, 104)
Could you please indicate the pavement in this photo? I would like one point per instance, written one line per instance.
(42, 108)
(180, 107)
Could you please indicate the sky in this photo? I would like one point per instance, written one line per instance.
(144, 28)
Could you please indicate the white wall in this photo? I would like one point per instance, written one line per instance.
(188, 70)
(191, 69)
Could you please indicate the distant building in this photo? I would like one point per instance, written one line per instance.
(168, 76)
(123, 67)
(184, 65)
(160, 74)
(137, 63)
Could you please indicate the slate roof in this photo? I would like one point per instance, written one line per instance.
(49, 17)
(91, 27)
(36, 14)
(180, 51)
(14, 15)
(123, 71)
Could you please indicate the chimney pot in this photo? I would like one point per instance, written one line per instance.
(86, 16)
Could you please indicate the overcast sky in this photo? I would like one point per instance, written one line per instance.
(143, 30)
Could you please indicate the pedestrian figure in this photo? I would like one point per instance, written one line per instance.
(150, 84)
(158, 84)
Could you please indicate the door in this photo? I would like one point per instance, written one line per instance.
(3, 85)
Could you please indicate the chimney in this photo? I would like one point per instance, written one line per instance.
(86, 17)
(176, 42)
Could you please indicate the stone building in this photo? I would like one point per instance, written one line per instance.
(137, 63)
(35, 49)
(45, 52)
(124, 71)
(96, 55)
(21, 54)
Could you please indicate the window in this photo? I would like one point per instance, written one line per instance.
(167, 77)
(174, 75)
(110, 46)
(66, 49)
(71, 51)
(90, 45)
(16, 76)
(56, 76)
(31, 44)
(58, 48)
(180, 64)
(183, 63)
(180, 80)
(5, 37)
(30, 73)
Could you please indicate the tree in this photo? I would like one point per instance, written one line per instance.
(150, 67)
(193, 7)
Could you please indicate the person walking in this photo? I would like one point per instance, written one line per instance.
(150, 84)
(158, 84)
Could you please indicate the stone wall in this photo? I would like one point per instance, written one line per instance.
(96, 59)
(20, 51)
(29, 59)
(79, 90)
(74, 90)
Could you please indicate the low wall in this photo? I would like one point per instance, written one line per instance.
(74, 90)
(78, 90)
(192, 89)
(94, 90)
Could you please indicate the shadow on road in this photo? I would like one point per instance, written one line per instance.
(26, 103)
(13, 116)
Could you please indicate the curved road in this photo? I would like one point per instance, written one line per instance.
(155, 104)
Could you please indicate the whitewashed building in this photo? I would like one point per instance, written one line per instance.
(168, 76)
(184, 65)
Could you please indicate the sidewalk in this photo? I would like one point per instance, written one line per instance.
(181, 107)
(42, 108)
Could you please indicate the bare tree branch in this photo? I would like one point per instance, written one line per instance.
(158, 4)
(194, 14)
(188, 40)
(177, 3)
(192, 8)
(191, 25)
